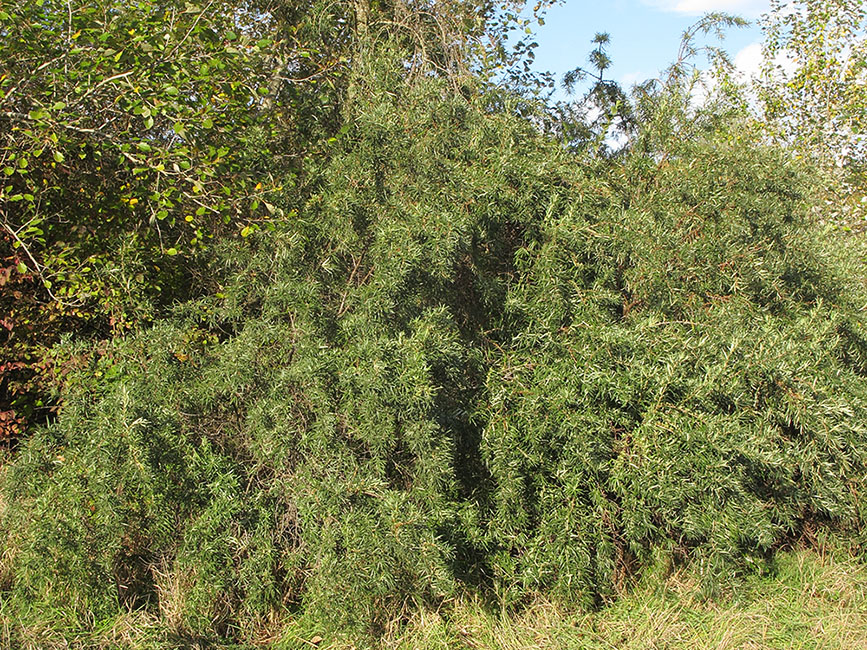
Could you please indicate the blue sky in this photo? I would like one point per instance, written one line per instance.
(645, 34)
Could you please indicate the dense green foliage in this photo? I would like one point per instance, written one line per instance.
(463, 357)
(159, 125)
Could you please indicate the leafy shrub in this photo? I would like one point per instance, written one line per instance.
(471, 360)
(689, 376)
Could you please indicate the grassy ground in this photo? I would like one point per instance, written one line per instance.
(813, 601)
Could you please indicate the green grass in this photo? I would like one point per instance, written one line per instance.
(813, 600)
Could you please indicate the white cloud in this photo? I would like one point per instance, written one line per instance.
(749, 8)
(748, 62)
(631, 78)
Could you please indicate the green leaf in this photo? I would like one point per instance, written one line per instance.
(22, 268)
(207, 123)
(172, 251)
(245, 231)
(58, 157)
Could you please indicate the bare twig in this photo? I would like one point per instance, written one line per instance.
(38, 268)
(189, 31)
(107, 80)
(24, 78)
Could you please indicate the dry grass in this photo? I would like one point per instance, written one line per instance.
(815, 601)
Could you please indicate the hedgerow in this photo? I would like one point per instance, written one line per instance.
(468, 360)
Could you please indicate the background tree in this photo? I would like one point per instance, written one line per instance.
(602, 115)
(137, 135)
(813, 81)
(133, 135)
